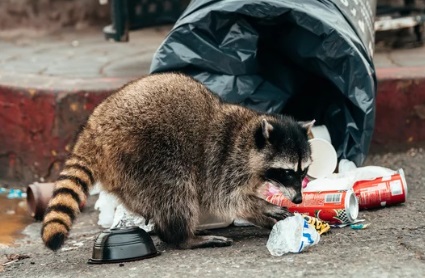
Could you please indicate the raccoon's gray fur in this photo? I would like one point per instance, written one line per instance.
(166, 147)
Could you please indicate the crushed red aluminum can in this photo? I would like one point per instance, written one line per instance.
(381, 191)
(333, 206)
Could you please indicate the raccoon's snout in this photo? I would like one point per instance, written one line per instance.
(298, 199)
(292, 194)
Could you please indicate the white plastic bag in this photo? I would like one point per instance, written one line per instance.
(292, 234)
(106, 204)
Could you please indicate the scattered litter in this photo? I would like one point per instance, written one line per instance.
(336, 198)
(346, 224)
(239, 222)
(16, 194)
(346, 165)
(75, 246)
(359, 226)
(11, 258)
(320, 226)
(66, 249)
(374, 186)
(291, 235)
(331, 200)
(346, 180)
(324, 157)
(38, 196)
(13, 193)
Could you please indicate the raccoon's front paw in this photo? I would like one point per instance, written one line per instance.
(261, 220)
(278, 213)
(205, 242)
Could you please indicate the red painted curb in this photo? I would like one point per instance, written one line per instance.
(400, 112)
(400, 106)
(37, 128)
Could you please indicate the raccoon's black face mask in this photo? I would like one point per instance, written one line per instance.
(284, 144)
(288, 181)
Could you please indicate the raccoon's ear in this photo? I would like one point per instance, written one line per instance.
(307, 125)
(266, 128)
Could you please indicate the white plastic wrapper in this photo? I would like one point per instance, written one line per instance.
(291, 235)
(346, 180)
(115, 215)
(346, 165)
(125, 218)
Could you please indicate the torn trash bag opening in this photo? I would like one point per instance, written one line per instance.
(309, 59)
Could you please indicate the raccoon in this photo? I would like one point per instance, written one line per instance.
(167, 147)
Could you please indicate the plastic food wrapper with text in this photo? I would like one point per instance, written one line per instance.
(291, 235)
(272, 55)
(320, 226)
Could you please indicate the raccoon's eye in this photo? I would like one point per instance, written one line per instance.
(288, 171)
(278, 174)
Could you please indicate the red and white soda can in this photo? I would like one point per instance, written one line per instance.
(382, 191)
(334, 206)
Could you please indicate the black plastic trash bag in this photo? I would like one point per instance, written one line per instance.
(310, 59)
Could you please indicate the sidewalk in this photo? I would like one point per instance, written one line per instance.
(392, 246)
(49, 84)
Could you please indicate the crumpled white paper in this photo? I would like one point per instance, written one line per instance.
(291, 235)
(112, 214)
(106, 204)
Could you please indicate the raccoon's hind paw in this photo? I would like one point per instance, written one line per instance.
(206, 242)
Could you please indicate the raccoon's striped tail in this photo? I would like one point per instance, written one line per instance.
(71, 190)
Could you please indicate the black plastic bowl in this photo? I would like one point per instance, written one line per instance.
(122, 245)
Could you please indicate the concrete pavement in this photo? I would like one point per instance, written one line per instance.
(392, 246)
